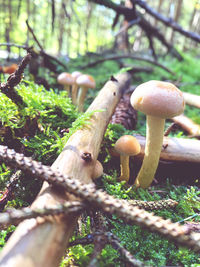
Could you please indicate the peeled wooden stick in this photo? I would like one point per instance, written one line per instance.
(187, 124)
(191, 99)
(41, 242)
(176, 149)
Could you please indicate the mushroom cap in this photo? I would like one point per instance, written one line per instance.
(86, 81)
(65, 78)
(98, 170)
(159, 99)
(76, 74)
(127, 145)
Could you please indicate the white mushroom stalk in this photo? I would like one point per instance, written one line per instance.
(75, 75)
(158, 100)
(84, 82)
(154, 141)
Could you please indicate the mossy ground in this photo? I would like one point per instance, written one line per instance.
(51, 113)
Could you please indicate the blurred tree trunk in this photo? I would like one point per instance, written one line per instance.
(179, 4)
(8, 24)
(122, 39)
(88, 20)
(61, 25)
(192, 24)
(159, 11)
(28, 17)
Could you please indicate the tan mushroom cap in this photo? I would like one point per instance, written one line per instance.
(127, 145)
(65, 78)
(86, 81)
(159, 99)
(76, 74)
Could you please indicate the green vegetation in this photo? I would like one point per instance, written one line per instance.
(53, 119)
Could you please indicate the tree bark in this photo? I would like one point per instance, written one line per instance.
(42, 242)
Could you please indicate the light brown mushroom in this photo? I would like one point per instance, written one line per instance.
(66, 80)
(126, 146)
(75, 75)
(84, 82)
(158, 100)
(98, 170)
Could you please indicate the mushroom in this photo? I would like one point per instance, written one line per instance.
(75, 75)
(159, 101)
(126, 145)
(98, 170)
(84, 82)
(67, 80)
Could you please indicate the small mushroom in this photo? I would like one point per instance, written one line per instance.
(67, 80)
(126, 146)
(84, 82)
(98, 170)
(75, 75)
(158, 100)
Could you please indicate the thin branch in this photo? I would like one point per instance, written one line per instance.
(13, 216)
(34, 37)
(154, 205)
(132, 14)
(167, 21)
(32, 50)
(111, 239)
(8, 193)
(13, 80)
(15, 45)
(102, 200)
(116, 57)
(127, 26)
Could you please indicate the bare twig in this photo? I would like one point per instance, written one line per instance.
(8, 193)
(34, 36)
(41, 48)
(187, 124)
(167, 21)
(115, 57)
(13, 216)
(111, 239)
(13, 80)
(102, 200)
(14, 45)
(154, 205)
(170, 128)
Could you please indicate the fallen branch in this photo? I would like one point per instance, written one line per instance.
(167, 21)
(187, 124)
(94, 198)
(13, 216)
(9, 192)
(176, 149)
(154, 205)
(116, 57)
(54, 235)
(131, 14)
(192, 100)
(13, 80)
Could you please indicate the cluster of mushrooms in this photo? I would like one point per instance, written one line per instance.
(159, 101)
(77, 85)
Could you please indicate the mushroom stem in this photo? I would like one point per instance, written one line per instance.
(124, 165)
(74, 93)
(81, 97)
(67, 88)
(154, 141)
